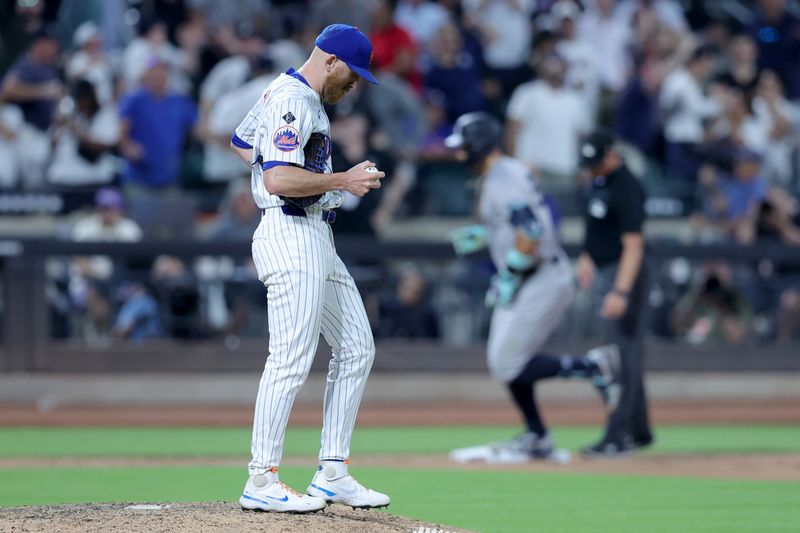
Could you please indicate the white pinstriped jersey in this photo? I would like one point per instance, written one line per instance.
(309, 290)
(278, 127)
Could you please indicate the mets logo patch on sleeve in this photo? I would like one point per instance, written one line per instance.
(286, 139)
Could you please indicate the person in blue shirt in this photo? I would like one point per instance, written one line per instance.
(155, 125)
(139, 317)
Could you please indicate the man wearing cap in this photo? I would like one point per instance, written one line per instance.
(285, 138)
(613, 264)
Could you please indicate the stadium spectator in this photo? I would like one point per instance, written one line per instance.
(155, 125)
(504, 27)
(138, 318)
(239, 215)
(393, 47)
(741, 68)
(90, 62)
(646, 16)
(782, 120)
(107, 223)
(713, 311)
(685, 106)
(221, 165)
(33, 84)
(90, 279)
(777, 34)
(421, 18)
(230, 73)
(355, 139)
(778, 219)
(454, 74)
(177, 293)
(545, 121)
(152, 43)
(11, 121)
(581, 73)
(636, 117)
(738, 126)
(608, 40)
(20, 23)
(86, 133)
(730, 202)
(407, 313)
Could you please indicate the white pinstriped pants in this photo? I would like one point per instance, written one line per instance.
(309, 291)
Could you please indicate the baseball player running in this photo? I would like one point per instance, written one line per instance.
(530, 293)
(285, 138)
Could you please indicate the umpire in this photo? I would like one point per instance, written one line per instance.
(613, 264)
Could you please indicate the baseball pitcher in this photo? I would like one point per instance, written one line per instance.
(286, 140)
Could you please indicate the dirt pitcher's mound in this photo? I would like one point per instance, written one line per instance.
(217, 516)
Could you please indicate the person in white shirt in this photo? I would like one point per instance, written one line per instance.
(609, 40)
(87, 132)
(230, 73)
(221, 165)
(506, 33)
(107, 223)
(782, 119)
(738, 125)
(90, 62)
(685, 106)
(153, 42)
(643, 14)
(421, 18)
(582, 71)
(545, 122)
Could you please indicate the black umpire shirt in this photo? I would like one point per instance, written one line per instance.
(615, 207)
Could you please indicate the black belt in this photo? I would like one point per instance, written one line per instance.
(328, 216)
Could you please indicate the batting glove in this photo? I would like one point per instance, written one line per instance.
(468, 239)
(502, 289)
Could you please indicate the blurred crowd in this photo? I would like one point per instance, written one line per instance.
(129, 106)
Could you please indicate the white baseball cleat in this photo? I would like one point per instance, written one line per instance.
(266, 493)
(347, 491)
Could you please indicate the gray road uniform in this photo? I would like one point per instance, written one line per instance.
(519, 330)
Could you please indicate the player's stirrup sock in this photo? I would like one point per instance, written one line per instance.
(577, 367)
(539, 367)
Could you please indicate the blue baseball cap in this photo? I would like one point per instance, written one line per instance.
(351, 46)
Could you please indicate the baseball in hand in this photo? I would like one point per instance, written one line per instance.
(373, 169)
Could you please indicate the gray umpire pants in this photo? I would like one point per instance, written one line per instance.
(630, 419)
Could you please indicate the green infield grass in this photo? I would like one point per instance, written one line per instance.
(480, 500)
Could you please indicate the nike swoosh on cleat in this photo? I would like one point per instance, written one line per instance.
(329, 493)
(248, 497)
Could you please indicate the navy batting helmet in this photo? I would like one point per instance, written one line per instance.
(477, 133)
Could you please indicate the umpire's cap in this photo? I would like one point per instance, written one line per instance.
(477, 133)
(595, 146)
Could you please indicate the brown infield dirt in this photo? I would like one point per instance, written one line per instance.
(217, 516)
(408, 414)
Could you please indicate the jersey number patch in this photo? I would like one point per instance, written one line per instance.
(286, 139)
